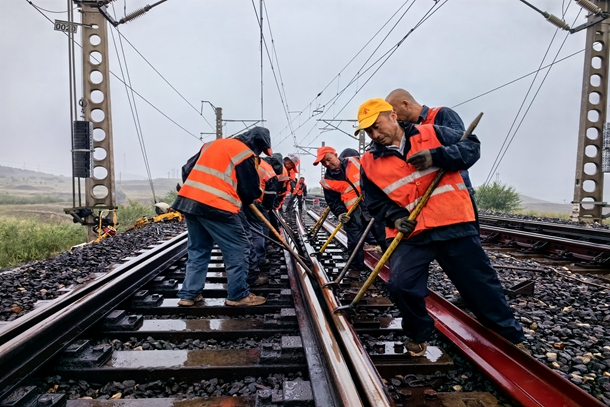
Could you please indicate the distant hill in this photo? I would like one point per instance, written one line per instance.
(529, 203)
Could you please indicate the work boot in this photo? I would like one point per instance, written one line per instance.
(416, 349)
(249, 301)
(259, 281)
(189, 303)
(264, 263)
(522, 348)
(459, 302)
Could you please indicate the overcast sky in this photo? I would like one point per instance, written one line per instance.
(209, 50)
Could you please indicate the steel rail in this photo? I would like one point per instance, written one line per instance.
(594, 235)
(545, 243)
(370, 382)
(33, 342)
(336, 366)
(527, 381)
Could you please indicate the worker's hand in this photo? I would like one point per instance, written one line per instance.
(405, 226)
(343, 218)
(422, 160)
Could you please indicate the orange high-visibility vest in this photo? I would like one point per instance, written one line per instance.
(432, 112)
(265, 173)
(450, 202)
(285, 179)
(298, 190)
(212, 180)
(348, 194)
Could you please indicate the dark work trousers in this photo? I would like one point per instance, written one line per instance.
(359, 220)
(253, 270)
(468, 267)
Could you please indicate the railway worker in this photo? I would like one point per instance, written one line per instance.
(276, 161)
(291, 162)
(396, 171)
(258, 245)
(218, 181)
(341, 186)
(408, 110)
(300, 191)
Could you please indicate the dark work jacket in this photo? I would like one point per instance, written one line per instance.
(269, 199)
(333, 198)
(452, 156)
(248, 189)
(449, 118)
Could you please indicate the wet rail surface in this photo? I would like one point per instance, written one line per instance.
(520, 377)
(135, 338)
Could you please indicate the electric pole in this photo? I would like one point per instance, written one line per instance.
(593, 152)
(592, 144)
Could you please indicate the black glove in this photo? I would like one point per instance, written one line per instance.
(422, 160)
(343, 218)
(405, 226)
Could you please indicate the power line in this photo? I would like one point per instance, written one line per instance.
(508, 142)
(518, 79)
(340, 72)
(119, 79)
(49, 11)
(392, 50)
(134, 109)
(163, 77)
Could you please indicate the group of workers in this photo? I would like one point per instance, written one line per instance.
(410, 144)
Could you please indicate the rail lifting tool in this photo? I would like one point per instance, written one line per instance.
(316, 228)
(334, 284)
(350, 309)
(294, 254)
(332, 235)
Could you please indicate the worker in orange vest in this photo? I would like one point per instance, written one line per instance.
(341, 186)
(218, 181)
(401, 163)
(283, 183)
(291, 163)
(300, 191)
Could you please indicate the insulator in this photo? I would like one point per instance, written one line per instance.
(135, 14)
(587, 5)
(557, 21)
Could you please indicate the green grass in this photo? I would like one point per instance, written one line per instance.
(9, 199)
(26, 240)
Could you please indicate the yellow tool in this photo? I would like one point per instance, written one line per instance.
(165, 217)
(320, 222)
(332, 235)
(350, 308)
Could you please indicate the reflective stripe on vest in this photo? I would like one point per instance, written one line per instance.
(352, 173)
(212, 180)
(265, 173)
(449, 203)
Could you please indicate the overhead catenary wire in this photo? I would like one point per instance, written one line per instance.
(134, 110)
(310, 104)
(120, 80)
(507, 141)
(390, 52)
(518, 79)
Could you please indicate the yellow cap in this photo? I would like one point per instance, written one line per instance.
(369, 111)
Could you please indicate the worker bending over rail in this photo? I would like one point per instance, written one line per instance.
(341, 186)
(218, 181)
(402, 162)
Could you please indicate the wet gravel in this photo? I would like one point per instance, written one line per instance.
(22, 286)
(149, 343)
(129, 389)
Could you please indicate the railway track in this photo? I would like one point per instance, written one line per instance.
(122, 340)
(588, 247)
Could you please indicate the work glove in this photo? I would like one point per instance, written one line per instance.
(422, 160)
(343, 218)
(405, 226)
